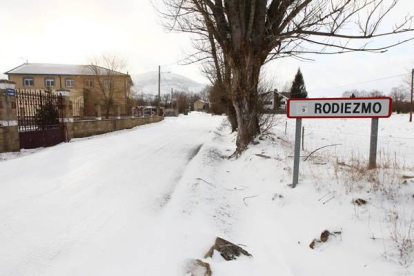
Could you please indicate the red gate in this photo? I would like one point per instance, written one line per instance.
(40, 118)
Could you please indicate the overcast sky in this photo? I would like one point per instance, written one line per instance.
(63, 31)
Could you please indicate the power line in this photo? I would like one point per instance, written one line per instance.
(163, 77)
(177, 62)
(170, 64)
(345, 85)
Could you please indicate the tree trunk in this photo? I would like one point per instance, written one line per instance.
(107, 111)
(245, 102)
(228, 104)
(108, 106)
(231, 116)
(230, 111)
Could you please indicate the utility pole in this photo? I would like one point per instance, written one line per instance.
(159, 90)
(412, 92)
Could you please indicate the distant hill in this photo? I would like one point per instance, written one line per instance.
(147, 83)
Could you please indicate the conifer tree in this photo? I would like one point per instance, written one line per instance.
(298, 89)
(47, 114)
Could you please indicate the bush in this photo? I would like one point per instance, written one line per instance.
(47, 115)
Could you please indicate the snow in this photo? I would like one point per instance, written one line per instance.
(52, 69)
(145, 201)
(91, 206)
(395, 138)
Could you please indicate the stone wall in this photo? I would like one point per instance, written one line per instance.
(9, 139)
(89, 128)
(9, 135)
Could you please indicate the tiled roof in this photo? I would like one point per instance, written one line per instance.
(54, 69)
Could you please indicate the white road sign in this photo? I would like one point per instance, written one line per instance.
(340, 108)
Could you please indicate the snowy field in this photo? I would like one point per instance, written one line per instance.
(145, 201)
(395, 137)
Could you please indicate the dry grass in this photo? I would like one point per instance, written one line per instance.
(387, 183)
(355, 175)
(401, 233)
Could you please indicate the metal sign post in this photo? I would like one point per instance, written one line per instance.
(373, 145)
(297, 152)
(373, 108)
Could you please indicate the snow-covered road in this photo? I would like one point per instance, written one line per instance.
(88, 207)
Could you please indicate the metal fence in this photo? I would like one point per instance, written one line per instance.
(38, 110)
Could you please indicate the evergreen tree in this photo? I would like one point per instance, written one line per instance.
(298, 89)
(48, 114)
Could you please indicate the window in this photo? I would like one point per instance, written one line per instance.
(89, 83)
(49, 82)
(28, 81)
(107, 83)
(70, 83)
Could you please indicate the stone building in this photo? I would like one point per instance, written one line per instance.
(87, 85)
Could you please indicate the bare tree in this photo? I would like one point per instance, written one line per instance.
(219, 74)
(266, 104)
(205, 93)
(182, 101)
(362, 93)
(399, 94)
(166, 100)
(355, 92)
(406, 78)
(215, 64)
(105, 69)
(138, 99)
(217, 70)
(215, 98)
(253, 32)
(376, 94)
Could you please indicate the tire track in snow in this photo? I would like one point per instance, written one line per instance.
(166, 198)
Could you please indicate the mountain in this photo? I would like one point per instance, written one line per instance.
(147, 83)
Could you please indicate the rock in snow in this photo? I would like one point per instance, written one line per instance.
(229, 251)
(197, 268)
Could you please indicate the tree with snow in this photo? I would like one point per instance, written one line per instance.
(298, 89)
